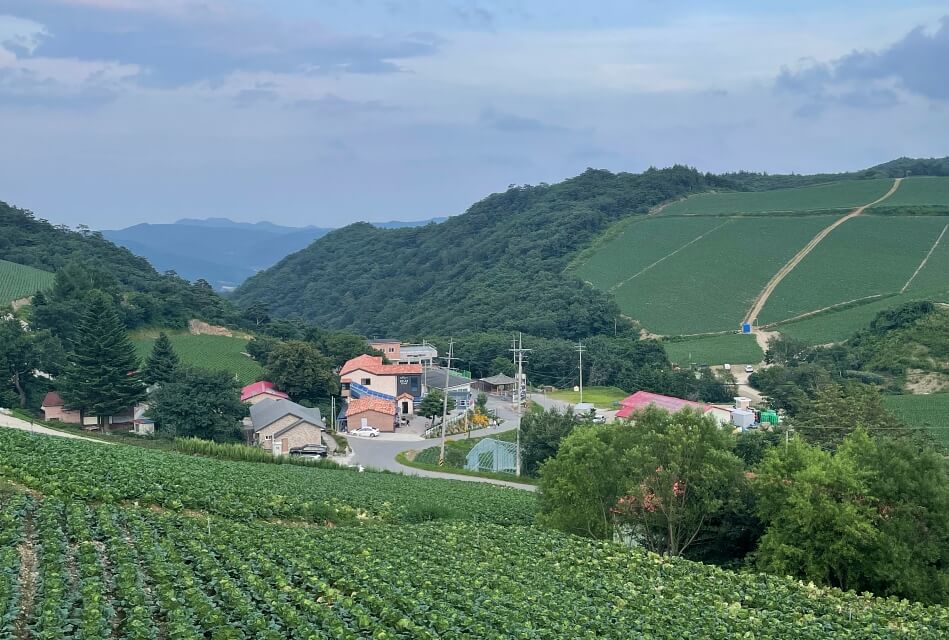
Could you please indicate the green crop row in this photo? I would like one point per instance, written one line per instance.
(91, 471)
(847, 194)
(210, 352)
(729, 348)
(18, 281)
(920, 191)
(184, 577)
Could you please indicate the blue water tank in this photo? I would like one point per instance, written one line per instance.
(746, 327)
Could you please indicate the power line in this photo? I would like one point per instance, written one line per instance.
(519, 394)
(579, 348)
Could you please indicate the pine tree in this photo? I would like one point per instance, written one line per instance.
(101, 376)
(163, 363)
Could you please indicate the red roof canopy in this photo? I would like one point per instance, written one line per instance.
(642, 399)
(258, 388)
(373, 364)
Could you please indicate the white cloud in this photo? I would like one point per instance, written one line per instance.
(22, 34)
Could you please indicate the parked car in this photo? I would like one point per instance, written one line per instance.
(749, 368)
(599, 419)
(310, 451)
(366, 432)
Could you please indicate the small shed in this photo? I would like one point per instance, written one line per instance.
(492, 455)
(495, 384)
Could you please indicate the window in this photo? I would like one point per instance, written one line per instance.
(365, 382)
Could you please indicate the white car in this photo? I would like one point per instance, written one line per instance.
(366, 432)
(599, 419)
(749, 368)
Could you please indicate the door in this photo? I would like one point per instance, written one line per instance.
(285, 445)
(405, 407)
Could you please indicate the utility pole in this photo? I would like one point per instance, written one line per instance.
(441, 455)
(519, 391)
(580, 349)
(333, 413)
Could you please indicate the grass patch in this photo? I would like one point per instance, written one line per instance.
(601, 397)
(733, 348)
(210, 352)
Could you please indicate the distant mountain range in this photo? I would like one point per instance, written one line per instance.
(220, 250)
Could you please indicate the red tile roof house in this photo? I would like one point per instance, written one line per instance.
(367, 376)
(254, 393)
(371, 412)
(54, 409)
(643, 399)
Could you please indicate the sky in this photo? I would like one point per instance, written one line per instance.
(325, 112)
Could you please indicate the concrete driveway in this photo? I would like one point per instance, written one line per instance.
(11, 422)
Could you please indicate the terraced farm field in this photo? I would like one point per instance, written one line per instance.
(831, 196)
(920, 191)
(19, 281)
(79, 560)
(705, 286)
(923, 411)
(210, 352)
(865, 256)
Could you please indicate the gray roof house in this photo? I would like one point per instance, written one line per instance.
(280, 425)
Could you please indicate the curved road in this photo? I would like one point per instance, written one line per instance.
(379, 453)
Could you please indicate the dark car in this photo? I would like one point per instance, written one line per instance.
(310, 451)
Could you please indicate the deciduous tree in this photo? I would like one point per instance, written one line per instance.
(199, 403)
(300, 370)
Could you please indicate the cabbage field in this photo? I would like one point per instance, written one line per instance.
(19, 281)
(104, 571)
(100, 541)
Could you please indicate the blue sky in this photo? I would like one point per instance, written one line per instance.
(114, 112)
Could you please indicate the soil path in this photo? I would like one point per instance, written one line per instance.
(782, 273)
(925, 260)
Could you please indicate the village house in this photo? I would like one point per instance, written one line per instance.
(282, 425)
(133, 418)
(366, 376)
(398, 353)
(371, 412)
(643, 399)
(258, 391)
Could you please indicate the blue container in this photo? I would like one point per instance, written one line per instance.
(746, 327)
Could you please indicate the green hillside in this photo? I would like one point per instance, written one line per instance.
(19, 281)
(730, 348)
(139, 543)
(835, 195)
(500, 266)
(210, 352)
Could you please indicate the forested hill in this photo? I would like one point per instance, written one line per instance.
(499, 266)
(148, 297)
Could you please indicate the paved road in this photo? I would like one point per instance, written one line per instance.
(380, 453)
(11, 422)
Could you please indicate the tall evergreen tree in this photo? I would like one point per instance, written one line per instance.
(101, 376)
(163, 363)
